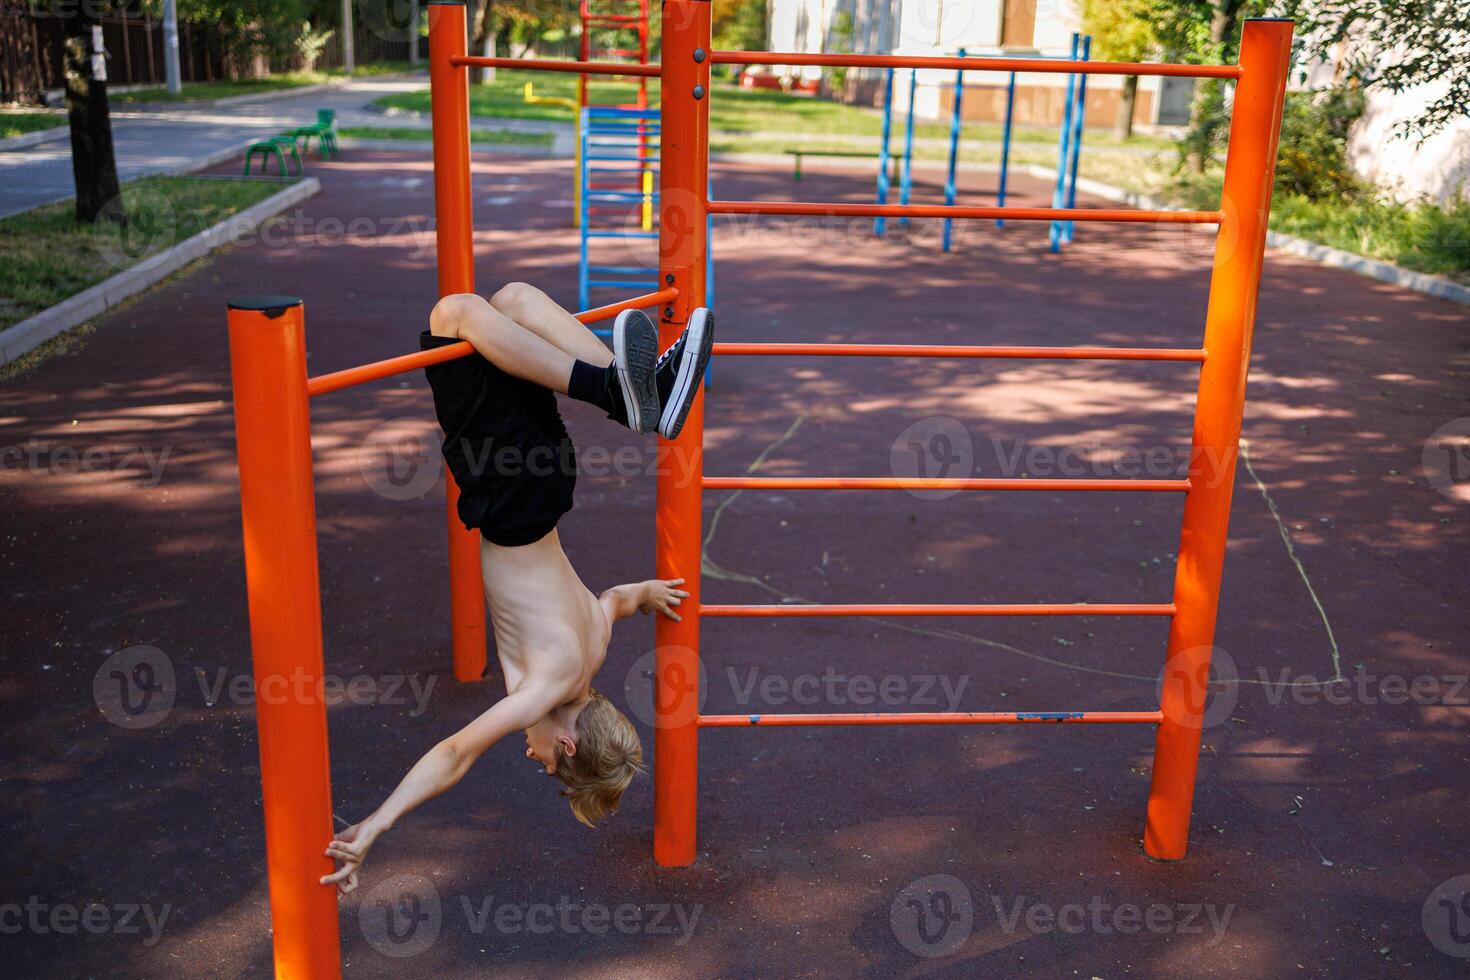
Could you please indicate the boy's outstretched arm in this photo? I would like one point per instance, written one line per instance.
(440, 768)
(654, 595)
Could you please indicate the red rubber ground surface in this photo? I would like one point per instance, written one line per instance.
(1320, 829)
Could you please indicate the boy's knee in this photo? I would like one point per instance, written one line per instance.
(514, 298)
(453, 312)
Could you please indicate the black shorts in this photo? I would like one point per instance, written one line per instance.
(506, 445)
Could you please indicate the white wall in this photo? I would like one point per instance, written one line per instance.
(1438, 168)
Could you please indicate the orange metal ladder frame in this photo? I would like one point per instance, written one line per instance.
(273, 392)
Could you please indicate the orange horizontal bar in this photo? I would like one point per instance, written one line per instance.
(1056, 66)
(579, 67)
(947, 609)
(949, 350)
(377, 370)
(938, 718)
(837, 210)
(922, 483)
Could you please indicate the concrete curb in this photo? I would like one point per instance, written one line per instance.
(39, 136)
(27, 335)
(1420, 282)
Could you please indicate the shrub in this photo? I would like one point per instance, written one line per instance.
(1312, 160)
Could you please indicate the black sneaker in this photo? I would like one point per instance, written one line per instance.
(635, 348)
(681, 369)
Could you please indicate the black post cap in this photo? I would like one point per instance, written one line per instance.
(271, 306)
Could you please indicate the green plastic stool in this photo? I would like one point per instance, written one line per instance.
(325, 131)
(275, 147)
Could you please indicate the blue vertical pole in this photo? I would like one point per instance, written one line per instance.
(1078, 118)
(582, 290)
(1059, 193)
(954, 150)
(906, 183)
(1005, 148)
(880, 224)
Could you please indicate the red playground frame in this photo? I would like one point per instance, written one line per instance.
(273, 429)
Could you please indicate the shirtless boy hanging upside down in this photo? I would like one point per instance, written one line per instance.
(505, 443)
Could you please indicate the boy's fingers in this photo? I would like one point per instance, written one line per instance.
(673, 581)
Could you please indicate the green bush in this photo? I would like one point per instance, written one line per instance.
(1312, 160)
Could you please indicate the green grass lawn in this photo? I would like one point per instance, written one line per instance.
(476, 135)
(45, 256)
(16, 123)
(206, 91)
(732, 110)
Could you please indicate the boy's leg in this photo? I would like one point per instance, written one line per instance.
(502, 341)
(534, 310)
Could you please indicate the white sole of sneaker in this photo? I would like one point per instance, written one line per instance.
(635, 348)
(692, 363)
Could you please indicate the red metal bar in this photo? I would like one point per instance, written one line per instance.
(578, 67)
(378, 370)
(955, 350)
(278, 514)
(454, 211)
(683, 181)
(924, 483)
(937, 718)
(1053, 66)
(836, 209)
(944, 609)
(1255, 126)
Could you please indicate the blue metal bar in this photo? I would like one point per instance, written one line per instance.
(880, 224)
(1005, 148)
(1059, 193)
(601, 233)
(906, 182)
(1076, 147)
(583, 226)
(950, 188)
(621, 270)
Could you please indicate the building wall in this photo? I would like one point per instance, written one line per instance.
(943, 27)
(1438, 168)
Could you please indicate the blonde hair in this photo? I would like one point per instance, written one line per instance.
(609, 753)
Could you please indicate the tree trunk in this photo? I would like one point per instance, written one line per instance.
(1124, 127)
(93, 162)
(482, 40)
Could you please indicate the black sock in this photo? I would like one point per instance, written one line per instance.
(595, 385)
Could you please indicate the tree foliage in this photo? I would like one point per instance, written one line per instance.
(1121, 30)
(1395, 45)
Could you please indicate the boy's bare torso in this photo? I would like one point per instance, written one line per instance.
(548, 626)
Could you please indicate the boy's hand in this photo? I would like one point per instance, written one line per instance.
(350, 846)
(660, 595)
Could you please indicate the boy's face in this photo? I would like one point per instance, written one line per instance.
(542, 739)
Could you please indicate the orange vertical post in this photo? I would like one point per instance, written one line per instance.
(1255, 125)
(683, 177)
(278, 515)
(454, 216)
